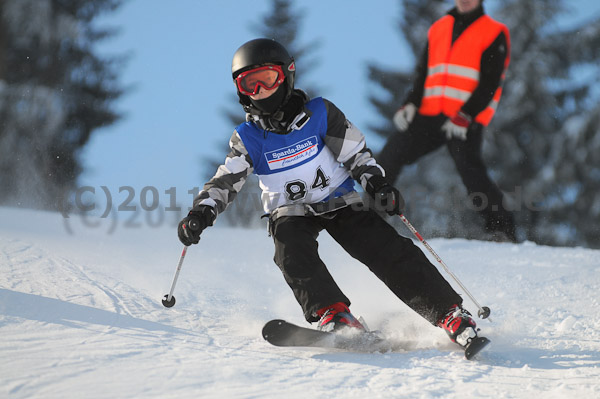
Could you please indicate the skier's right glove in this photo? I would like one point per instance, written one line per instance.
(191, 226)
(387, 198)
(404, 116)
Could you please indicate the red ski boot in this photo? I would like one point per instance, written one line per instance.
(336, 317)
(459, 325)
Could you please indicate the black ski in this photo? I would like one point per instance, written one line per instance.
(283, 333)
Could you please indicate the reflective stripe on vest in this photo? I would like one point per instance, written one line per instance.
(453, 69)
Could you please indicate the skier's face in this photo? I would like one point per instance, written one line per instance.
(466, 6)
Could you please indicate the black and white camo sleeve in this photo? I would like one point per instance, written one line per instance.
(349, 147)
(224, 186)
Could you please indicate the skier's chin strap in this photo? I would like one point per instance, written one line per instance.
(290, 116)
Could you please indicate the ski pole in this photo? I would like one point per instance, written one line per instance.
(484, 312)
(169, 299)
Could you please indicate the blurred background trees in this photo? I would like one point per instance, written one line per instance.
(543, 146)
(54, 93)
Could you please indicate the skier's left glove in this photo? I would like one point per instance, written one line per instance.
(457, 126)
(387, 198)
(191, 226)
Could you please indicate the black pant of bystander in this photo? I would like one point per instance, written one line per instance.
(423, 136)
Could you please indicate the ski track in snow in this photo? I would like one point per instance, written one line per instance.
(81, 317)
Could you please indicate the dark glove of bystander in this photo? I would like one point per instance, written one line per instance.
(191, 226)
(387, 198)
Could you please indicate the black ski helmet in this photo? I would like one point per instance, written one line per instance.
(259, 52)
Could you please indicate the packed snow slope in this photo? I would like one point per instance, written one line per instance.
(81, 317)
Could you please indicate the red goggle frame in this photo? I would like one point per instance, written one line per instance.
(267, 76)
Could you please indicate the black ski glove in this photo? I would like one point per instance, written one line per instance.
(191, 226)
(387, 198)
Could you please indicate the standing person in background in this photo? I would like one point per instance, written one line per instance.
(456, 91)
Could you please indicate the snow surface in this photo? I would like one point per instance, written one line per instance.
(81, 317)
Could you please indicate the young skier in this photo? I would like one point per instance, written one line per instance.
(308, 156)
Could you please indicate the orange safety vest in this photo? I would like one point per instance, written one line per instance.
(453, 68)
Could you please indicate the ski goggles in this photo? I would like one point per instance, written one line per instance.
(268, 76)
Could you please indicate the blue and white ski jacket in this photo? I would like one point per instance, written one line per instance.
(310, 165)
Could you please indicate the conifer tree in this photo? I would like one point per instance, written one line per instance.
(570, 181)
(55, 92)
(545, 133)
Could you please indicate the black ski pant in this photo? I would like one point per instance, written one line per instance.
(425, 135)
(394, 259)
